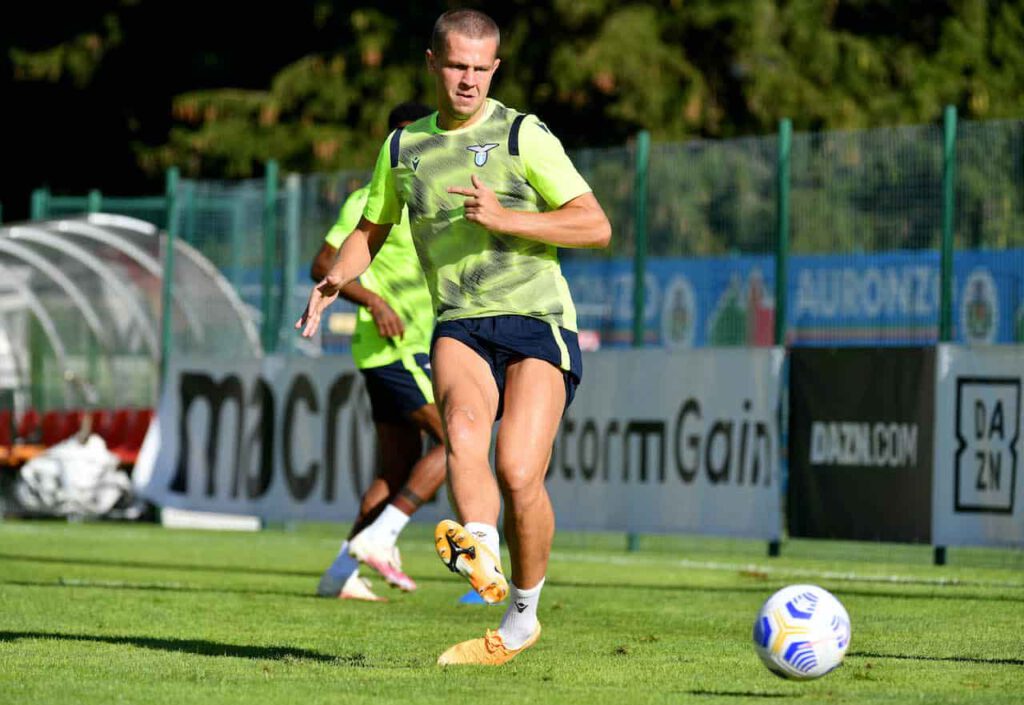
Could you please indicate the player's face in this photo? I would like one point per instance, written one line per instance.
(463, 73)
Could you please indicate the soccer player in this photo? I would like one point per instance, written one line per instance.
(491, 194)
(391, 349)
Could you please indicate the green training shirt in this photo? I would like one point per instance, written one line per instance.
(394, 275)
(471, 271)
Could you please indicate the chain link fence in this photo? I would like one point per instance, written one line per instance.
(832, 238)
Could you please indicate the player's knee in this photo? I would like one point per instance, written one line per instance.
(463, 432)
(519, 478)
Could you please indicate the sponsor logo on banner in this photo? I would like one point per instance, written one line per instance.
(857, 444)
(254, 433)
(861, 443)
(657, 441)
(679, 313)
(738, 450)
(979, 308)
(987, 432)
(869, 292)
(892, 298)
(744, 314)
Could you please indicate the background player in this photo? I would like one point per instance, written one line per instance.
(390, 347)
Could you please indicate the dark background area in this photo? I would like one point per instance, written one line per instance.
(106, 94)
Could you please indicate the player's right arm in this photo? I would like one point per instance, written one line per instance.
(383, 209)
(389, 323)
(353, 258)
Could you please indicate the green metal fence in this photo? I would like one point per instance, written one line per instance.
(989, 185)
(938, 189)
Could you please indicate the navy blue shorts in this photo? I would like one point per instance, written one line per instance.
(398, 389)
(503, 339)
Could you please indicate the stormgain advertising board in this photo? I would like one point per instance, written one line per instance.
(978, 489)
(860, 443)
(833, 300)
(673, 442)
(654, 441)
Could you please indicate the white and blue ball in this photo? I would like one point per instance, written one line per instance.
(802, 632)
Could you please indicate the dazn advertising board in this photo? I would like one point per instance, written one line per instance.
(860, 443)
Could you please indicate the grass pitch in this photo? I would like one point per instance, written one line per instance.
(112, 613)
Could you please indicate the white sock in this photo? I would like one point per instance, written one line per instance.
(388, 525)
(487, 535)
(344, 565)
(521, 616)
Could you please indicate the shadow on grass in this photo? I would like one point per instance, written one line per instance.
(106, 562)
(763, 587)
(195, 646)
(945, 659)
(152, 587)
(736, 694)
(769, 586)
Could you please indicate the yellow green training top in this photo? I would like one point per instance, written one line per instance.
(472, 272)
(394, 275)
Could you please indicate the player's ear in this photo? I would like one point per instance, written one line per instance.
(431, 60)
(494, 68)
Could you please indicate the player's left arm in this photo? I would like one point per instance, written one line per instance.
(580, 222)
(576, 219)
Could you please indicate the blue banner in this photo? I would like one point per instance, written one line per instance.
(890, 298)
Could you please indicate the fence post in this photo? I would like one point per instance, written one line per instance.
(269, 256)
(782, 178)
(643, 152)
(946, 256)
(782, 230)
(948, 224)
(293, 202)
(95, 202)
(167, 290)
(171, 177)
(40, 206)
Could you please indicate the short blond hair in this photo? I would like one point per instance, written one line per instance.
(468, 23)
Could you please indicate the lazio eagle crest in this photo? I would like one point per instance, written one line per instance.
(480, 152)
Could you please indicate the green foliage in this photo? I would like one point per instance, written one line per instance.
(598, 71)
(77, 58)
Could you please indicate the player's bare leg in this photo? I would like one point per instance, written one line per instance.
(534, 401)
(400, 448)
(468, 397)
(405, 480)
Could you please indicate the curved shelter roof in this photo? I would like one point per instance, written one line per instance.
(92, 287)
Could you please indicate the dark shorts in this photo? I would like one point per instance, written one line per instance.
(399, 389)
(503, 339)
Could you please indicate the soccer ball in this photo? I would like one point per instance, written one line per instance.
(802, 632)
